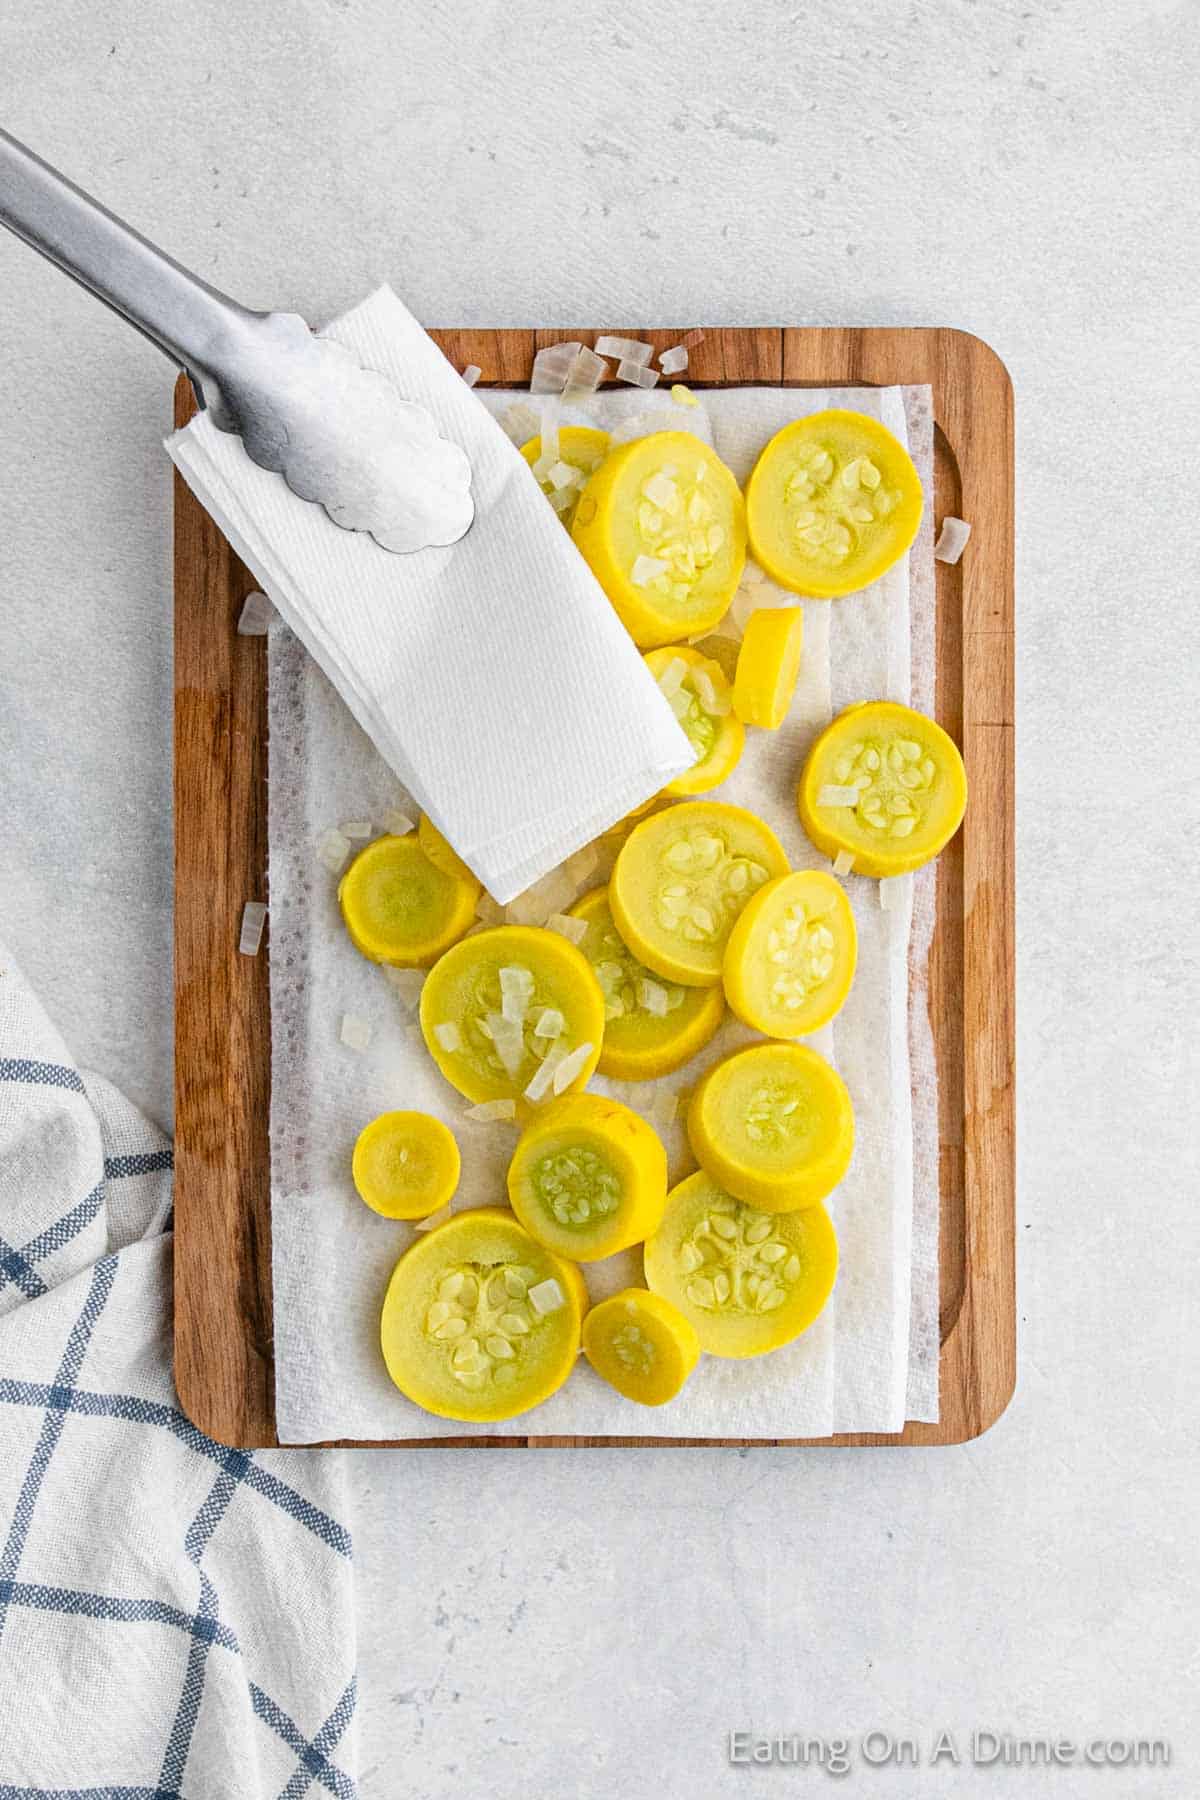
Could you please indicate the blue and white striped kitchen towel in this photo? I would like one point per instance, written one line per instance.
(176, 1618)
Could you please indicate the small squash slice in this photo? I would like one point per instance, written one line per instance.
(773, 1125)
(700, 696)
(791, 956)
(401, 908)
(641, 1345)
(588, 1177)
(406, 1165)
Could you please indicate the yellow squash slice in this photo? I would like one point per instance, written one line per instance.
(442, 854)
(699, 695)
(662, 525)
(513, 1013)
(749, 1281)
(479, 1321)
(791, 956)
(641, 1345)
(401, 908)
(579, 447)
(773, 1125)
(768, 664)
(884, 785)
(651, 1027)
(833, 501)
(588, 1177)
(681, 879)
(406, 1165)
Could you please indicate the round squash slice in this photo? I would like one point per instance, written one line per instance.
(579, 447)
(400, 908)
(479, 1321)
(748, 1281)
(513, 1013)
(662, 525)
(588, 1177)
(884, 785)
(680, 880)
(406, 1165)
(641, 1345)
(773, 1125)
(833, 501)
(650, 1027)
(699, 695)
(791, 956)
(767, 666)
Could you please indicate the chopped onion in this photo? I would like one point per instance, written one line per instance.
(691, 339)
(631, 350)
(837, 796)
(356, 1032)
(715, 703)
(332, 851)
(664, 1108)
(654, 998)
(490, 1112)
(397, 823)
(564, 501)
(552, 366)
(449, 1037)
(356, 828)
(584, 376)
(550, 894)
(256, 616)
(661, 491)
(892, 892)
(951, 539)
(636, 375)
(254, 915)
(471, 374)
(843, 862)
(407, 983)
(550, 1023)
(672, 676)
(577, 868)
(570, 1066)
(520, 422)
(674, 361)
(546, 1297)
(549, 435)
(574, 930)
(563, 475)
(488, 910)
(508, 1035)
(752, 574)
(744, 602)
(539, 1087)
(683, 396)
(647, 569)
(434, 1219)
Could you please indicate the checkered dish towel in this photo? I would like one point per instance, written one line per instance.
(176, 1618)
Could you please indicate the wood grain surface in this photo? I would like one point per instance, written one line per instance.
(224, 1366)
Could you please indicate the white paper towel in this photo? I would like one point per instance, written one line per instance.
(492, 675)
(851, 1371)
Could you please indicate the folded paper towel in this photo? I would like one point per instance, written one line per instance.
(492, 675)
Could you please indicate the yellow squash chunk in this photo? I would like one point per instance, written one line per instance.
(400, 908)
(509, 1011)
(579, 447)
(749, 1281)
(650, 1027)
(479, 1321)
(441, 853)
(406, 1165)
(699, 695)
(641, 1345)
(588, 1177)
(662, 525)
(680, 880)
(773, 1125)
(834, 501)
(768, 664)
(791, 956)
(903, 780)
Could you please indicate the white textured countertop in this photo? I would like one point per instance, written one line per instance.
(592, 1624)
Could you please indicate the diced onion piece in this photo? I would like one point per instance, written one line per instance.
(407, 983)
(550, 1023)
(586, 373)
(893, 892)
(951, 539)
(563, 475)
(448, 1036)
(577, 868)
(566, 497)
(516, 979)
(843, 862)
(490, 1112)
(546, 1297)
(647, 569)
(254, 915)
(683, 396)
(661, 491)
(654, 998)
(691, 339)
(664, 1108)
(631, 350)
(356, 828)
(837, 796)
(744, 602)
(489, 911)
(539, 1087)
(534, 906)
(574, 930)
(508, 1036)
(672, 676)
(752, 574)
(520, 422)
(549, 436)
(570, 1066)
(636, 375)
(356, 1032)
(256, 615)
(674, 361)
(332, 851)
(471, 374)
(552, 366)
(434, 1219)
(715, 704)
(397, 823)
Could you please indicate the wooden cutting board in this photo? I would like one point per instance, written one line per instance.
(224, 1367)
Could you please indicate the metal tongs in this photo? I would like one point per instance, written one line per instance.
(341, 435)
